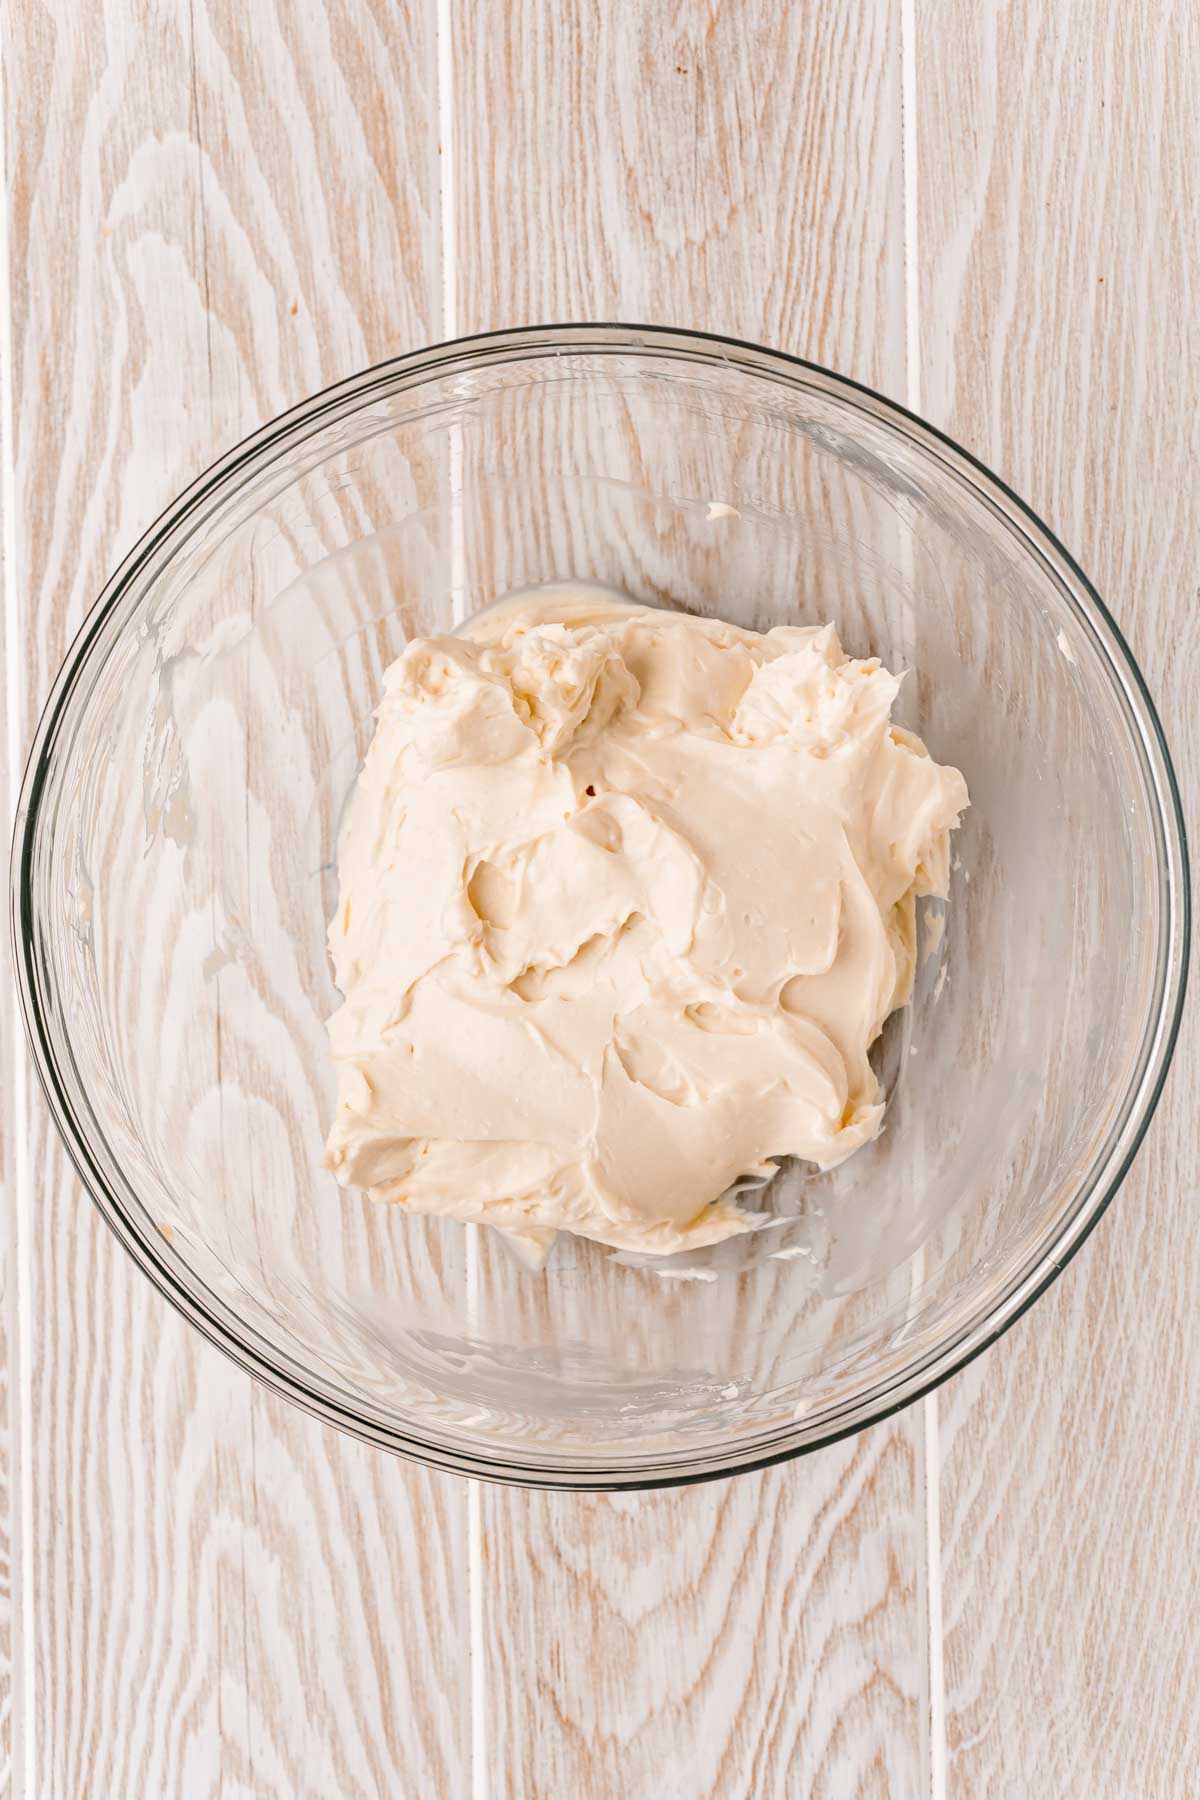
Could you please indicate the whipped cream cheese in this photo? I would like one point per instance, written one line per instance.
(625, 899)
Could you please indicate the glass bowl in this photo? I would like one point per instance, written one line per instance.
(174, 872)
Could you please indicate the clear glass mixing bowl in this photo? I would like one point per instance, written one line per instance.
(174, 873)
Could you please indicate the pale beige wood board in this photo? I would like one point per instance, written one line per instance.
(736, 169)
(211, 212)
(1059, 323)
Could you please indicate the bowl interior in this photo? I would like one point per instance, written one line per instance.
(181, 869)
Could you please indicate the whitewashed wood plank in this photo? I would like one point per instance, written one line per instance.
(212, 211)
(10, 1049)
(736, 169)
(1059, 294)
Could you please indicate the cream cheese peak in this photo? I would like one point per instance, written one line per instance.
(625, 899)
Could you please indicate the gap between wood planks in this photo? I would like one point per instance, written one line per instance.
(445, 177)
(935, 1670)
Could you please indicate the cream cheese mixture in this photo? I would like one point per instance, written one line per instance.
(625, 899)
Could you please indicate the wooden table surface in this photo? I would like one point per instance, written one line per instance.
(989, 209)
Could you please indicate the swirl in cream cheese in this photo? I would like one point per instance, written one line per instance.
(625, 899)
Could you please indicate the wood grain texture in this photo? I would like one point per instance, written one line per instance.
(211, 212)
(759, 1637)
(736, 169)
(1059, 293)
(10, 1122)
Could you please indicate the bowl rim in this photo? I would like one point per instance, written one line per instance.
(275, 1368)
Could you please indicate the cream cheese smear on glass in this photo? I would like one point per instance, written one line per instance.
(625, 898)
